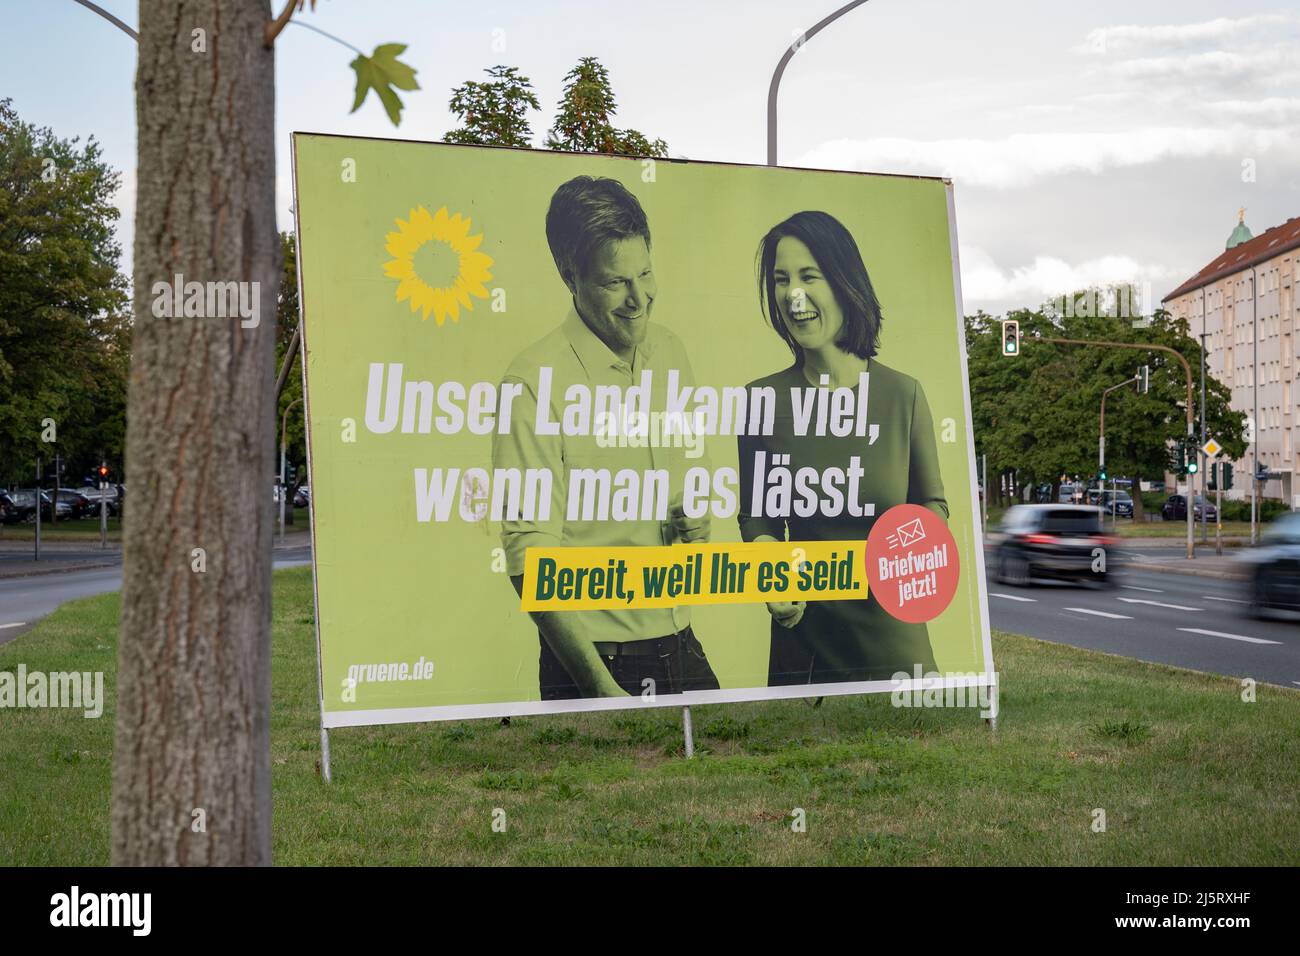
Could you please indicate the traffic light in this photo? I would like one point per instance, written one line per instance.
(1101, 475)
(1227, 474)
(1193, 466)
(102, 471)
(1010, 337)
(1144, 379)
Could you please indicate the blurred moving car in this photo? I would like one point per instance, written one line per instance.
(1175, 509)
(1052, 541)
(1274, 578)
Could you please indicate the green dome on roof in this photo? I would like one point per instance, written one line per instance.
(1241, 233)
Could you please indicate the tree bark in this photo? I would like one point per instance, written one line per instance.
(193, 696)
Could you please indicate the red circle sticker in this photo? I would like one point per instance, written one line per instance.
(912, 563)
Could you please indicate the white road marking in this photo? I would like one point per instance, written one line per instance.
(1231, 637)
(14, 624)
(1226, 600)
(1085, 610)
(1013, 597)
(1172, 607)
(1134, 587)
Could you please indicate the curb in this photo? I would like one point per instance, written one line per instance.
(62, 569)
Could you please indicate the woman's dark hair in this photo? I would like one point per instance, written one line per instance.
(841, 263)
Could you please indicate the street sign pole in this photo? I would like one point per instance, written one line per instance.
(103, 514)
(1218, 507)
(37, 493)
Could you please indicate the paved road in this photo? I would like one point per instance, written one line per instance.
(25, 600)
(1158, 616)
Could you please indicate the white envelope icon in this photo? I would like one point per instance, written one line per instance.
(907, 533)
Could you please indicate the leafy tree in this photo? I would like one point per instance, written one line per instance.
(584, 123)
(64, 326)
(1037, 415)
(494, 113)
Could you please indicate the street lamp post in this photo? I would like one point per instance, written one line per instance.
(1191, 411)
(1101, 445)
(790, 51)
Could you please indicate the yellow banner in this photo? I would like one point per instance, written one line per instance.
(584, 579)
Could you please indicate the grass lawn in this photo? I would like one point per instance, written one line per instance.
(1186, 772)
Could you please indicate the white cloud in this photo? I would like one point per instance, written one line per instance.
(986, 284)
(1024, 158)
(1274, 109)
(1213, 65)
(1105, 40)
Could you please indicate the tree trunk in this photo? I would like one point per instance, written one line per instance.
(1135, 492)
(191, 769)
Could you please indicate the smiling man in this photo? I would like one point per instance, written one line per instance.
(600, 240)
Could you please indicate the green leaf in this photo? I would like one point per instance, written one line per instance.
(381, 72)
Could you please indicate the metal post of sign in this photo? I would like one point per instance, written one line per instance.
(37, 493)
(991, 721)
(1204, 457)
(984, 493)
(324, 752)
(688, 732)
(1218, 505)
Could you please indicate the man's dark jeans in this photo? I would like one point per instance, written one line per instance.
(675, 663)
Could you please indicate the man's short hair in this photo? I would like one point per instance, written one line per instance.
(585, 213)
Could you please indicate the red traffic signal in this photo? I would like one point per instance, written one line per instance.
(103, 472)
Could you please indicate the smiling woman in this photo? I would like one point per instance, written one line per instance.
(817, 295)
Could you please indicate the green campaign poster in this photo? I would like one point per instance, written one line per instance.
(592, 432)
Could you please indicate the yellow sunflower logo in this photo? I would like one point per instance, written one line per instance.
(449, 236)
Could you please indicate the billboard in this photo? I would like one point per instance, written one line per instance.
(594, 432)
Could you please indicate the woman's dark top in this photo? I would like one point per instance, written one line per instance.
(849, 640)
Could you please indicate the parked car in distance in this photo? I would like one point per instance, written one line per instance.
(81, 505)
(302, 497)
(1122, 501)
(112, 497)
(1175, 509)
(1052, 541)
(1274, 577)
(1070, 494)
(22, 505)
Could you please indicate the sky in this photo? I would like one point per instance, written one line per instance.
(1088, 143)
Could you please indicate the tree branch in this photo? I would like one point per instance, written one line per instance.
(279, 23)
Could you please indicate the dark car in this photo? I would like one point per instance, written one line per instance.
(302, 497)
(1275, 567)
(1175, 509)
(69, 506)
(1052, 541)
(20, 506)
(111, 496)
(77, 499)
(1119, 503)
